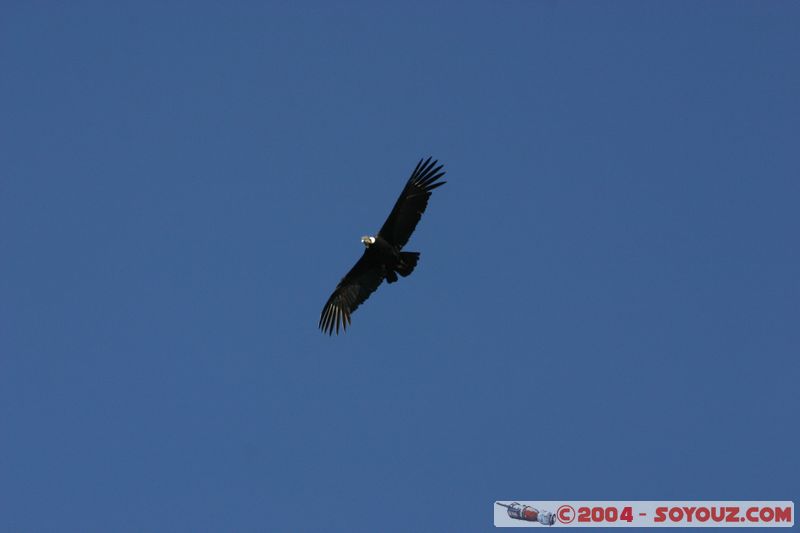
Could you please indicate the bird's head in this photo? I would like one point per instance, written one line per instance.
(367, 240)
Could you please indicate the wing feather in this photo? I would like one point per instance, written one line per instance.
(412, 202)
(354, 288)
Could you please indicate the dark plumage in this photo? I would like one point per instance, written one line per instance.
(383, 258)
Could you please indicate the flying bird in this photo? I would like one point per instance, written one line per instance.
(383, 257)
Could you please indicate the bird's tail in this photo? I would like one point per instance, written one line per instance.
(408, 260)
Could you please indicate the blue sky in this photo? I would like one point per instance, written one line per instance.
(606, 305)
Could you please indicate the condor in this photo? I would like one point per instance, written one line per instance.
(383, 257)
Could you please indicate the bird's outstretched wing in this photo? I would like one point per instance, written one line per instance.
(352, 291)
(412, 202)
